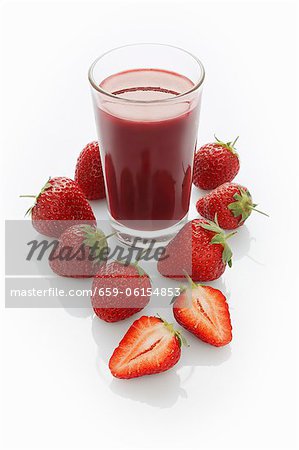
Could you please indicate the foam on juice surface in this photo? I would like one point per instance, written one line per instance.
(145, 85)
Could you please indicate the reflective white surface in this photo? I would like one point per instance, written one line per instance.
(58, 392)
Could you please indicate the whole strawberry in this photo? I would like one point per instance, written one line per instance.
(150, 346)
(89, 173)
(119, 291)
(80, 252)
(215, 164)
(60, 204)
(231, 202)
(199, 250)
(203, 311)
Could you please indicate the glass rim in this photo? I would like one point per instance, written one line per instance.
(129, 100)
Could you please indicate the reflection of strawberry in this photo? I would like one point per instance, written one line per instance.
(199, 249)
(150, 346)
(60, 204)
(186, 188)
(163, 193)
(89, 173)
(215, 164)
(112, 187)
(203, 311)
(127, 194)
(119, 291)
(80, 252)
(231, 202)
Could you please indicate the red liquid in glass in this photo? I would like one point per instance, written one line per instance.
(147, 151)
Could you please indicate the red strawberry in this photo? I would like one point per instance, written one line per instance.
(215, 164)
(60, 204)
(80, 251)
(231, 202)
(199, 249)
(150, 346)
(119, 291)
(203, 311)
(89, 173)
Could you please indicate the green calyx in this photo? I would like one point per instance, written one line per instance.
(191, 283)
(96, 240)
(135, 264)
(170, 327)
(220, 237)
(243, 205)
(183, 287)
(139, 269)
(43, 189)
(229, 145)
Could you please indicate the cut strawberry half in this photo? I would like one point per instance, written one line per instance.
(150, 346)
(203, 311)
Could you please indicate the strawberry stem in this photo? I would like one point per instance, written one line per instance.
(227, 236)
(257, 210)
(228, 145)
(189, 279)
(181, 338)
(233, 144)
(110, 235)
(27, 196)
(139, 256)
(36, 197)
(139, 269)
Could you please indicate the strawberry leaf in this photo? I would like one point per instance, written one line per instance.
(140, 270)
(182, 339)
(36, 197)
(211, 226)
(220, 238)
(95, 239)
(229, 145)
(227, 255)
(242, 206)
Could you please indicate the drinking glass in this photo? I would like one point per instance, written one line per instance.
(146, 101)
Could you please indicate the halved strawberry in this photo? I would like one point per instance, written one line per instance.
(150, 346)
(203, 311)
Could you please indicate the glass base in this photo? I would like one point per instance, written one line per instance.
(146, 238)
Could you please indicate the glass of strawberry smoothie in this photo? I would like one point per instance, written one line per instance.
(146, 100)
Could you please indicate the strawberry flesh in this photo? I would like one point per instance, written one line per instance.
(148, 347)
(203, 311)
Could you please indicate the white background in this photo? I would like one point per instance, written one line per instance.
(58, 392)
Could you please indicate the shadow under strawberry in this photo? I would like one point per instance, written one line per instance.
(149, 389)
(242, 244)
(76, 306)
(201, 354)
(108, 335)
(161, 391)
